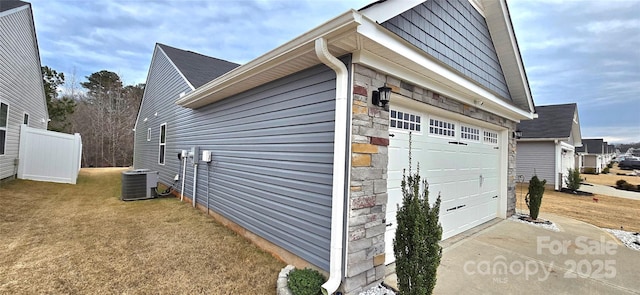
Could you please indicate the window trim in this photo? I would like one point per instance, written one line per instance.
(5, 128)
(162, 153)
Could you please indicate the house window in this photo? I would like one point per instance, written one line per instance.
(469, 133)
(4, 119)
(25, 119)
(148, 134)
(443, 128)
(163, 143)
(490, 137)
(404, 121)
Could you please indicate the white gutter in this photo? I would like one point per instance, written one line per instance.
(339, 165)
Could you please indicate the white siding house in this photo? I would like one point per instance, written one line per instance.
(22, 99)
(548, 144)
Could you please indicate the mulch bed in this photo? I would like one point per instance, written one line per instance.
(536, 221)
(575, 192)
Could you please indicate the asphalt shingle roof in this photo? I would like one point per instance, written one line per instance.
(593, 145)
(10, 4)
(197, 68)
(554, 121)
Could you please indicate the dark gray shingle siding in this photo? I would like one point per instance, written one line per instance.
(456, 34)
(554, 121)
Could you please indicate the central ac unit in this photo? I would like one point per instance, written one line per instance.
(139, 184)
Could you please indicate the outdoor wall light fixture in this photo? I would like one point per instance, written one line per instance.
(517, 134)
(381, 97)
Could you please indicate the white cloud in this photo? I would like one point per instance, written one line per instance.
(610, 26)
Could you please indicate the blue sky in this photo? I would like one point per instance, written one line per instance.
(583, 51)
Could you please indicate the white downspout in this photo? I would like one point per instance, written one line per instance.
(339, 165)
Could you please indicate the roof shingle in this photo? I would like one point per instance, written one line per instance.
(554, 121)
(11, 4)
(198, 69)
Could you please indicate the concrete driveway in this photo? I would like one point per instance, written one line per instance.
(515, 258)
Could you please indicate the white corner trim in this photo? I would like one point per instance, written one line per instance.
(339, 165)
(382, 12)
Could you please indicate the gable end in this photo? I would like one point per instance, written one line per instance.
(456, 34)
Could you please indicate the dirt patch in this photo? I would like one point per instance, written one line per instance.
(604, 211)
(59, 238)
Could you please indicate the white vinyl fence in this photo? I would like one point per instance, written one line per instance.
(48, 155)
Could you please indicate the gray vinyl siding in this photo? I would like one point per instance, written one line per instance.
(20, 82)
(163, 88)
(536, 158)
(272, 152)
(455, 33)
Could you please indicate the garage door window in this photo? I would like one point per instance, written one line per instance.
(490, 137)
(405, 121)
(443, 128)
(469, 133)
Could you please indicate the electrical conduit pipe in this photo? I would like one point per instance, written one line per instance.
(184, 173)
(195, 179)
(339, 165)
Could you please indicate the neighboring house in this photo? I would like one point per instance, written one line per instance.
(592, 154)
(22, 98)
(547, 145)
(308, 168)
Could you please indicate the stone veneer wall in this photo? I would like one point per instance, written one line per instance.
(369, 158)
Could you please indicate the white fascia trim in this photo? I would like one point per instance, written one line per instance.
(175, 67)
(382, 12)
(506, 24)
(339, 165)
(271, 58)
(567, 146)
(543, 139)
(478, 6)
(454, 81)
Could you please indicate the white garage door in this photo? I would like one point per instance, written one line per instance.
(460, 161)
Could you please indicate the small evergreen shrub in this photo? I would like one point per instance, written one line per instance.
(605, 170)
(624, 185)
(589, 170)
(305, 282)
(534, 196)
(573, 179)
(610, 165)
(415, 245)
(620, 183)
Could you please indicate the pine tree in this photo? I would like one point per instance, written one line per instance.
(416, 244)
